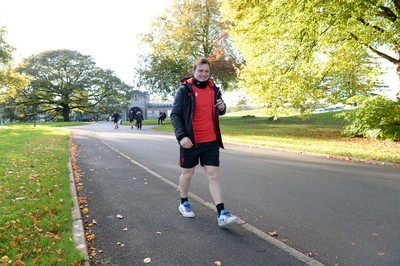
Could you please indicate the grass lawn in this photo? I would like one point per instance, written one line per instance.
(315, 133)
(35, 199)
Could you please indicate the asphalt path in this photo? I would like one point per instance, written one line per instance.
(338, 212)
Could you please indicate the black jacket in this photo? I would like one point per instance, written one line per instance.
(183, 111)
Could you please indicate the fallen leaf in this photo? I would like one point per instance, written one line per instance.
(94, 221)
(147, 260)
(85, 210)
(310, 254)
(119, 216)
(4, 259)
(19, 263)
(273, 233)
(89, 236)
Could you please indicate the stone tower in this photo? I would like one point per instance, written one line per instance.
(140, 101)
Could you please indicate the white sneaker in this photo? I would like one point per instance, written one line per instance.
(226, 218)
(186, 210)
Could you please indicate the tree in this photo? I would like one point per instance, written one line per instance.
(118, 101)
(63, 81)
(300, 51)
(374, 117)
(5, 56)
(10, 81)
(189, 29)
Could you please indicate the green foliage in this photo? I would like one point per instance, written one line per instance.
(374, 117)
(297, 52)
(5, 49)
(189, 29)
(10, 81)
(63, 81)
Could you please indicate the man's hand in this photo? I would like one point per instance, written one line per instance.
(186, 143)
(220, 105)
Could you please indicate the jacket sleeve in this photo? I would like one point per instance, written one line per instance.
(219, 96)
(177, 115)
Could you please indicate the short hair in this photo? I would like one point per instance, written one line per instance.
(201, 61)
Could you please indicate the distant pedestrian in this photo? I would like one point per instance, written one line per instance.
(115, 117)
(161, 117)
(131, 118)
(139, 119)
(195, 117)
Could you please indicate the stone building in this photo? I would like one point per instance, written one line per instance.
(140, 101)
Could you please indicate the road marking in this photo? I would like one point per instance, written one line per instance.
(295, 253)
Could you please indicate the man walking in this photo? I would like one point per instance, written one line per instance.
(139, 119)
(131, 118)
(115, 117)
(195, 118)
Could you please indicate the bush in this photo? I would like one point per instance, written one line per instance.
(375, 117)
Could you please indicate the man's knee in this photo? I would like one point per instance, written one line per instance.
(212, 172)
(187, 172)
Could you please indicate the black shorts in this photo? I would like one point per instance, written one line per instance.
(207, 153)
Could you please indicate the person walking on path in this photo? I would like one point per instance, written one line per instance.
(163, 116)
(159, 117)
(195, 118)
(139, 119)
(115, 117)
(131, 118)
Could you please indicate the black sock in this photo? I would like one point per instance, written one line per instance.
(220, 207)
(183, 200)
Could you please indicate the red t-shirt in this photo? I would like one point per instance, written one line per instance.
(203, 120)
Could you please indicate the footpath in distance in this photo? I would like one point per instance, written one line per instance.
(149, 224)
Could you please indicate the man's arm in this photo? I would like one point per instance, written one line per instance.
(220, 104)
(177, 115)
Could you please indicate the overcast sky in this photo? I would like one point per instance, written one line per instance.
(104, 29)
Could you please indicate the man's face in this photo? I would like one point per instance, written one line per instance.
(202, 72)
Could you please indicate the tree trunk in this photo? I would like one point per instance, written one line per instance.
(65, 113)
(398, 83)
